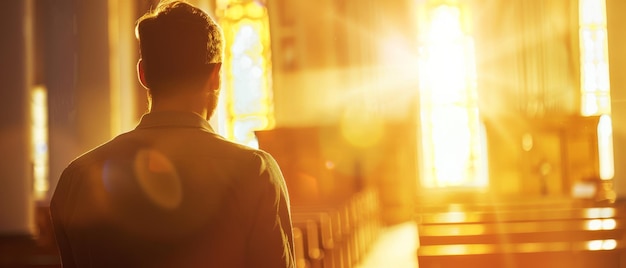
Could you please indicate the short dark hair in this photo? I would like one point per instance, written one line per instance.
(179, 45)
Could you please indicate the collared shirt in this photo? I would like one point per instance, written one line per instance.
(172, 193)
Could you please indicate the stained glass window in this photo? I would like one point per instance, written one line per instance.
(246, 103)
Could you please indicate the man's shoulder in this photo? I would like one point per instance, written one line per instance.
(100, 152)
(124, 146)
(245, 155)
(239, 149)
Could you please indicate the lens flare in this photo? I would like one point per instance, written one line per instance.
(158, 178)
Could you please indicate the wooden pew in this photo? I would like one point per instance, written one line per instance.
(337, 234)
(328, 235)
(522, 235)
(298, 238)
(319, 240)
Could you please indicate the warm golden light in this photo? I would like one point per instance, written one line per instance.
(39, 135)
(122, 74)
(452, 151)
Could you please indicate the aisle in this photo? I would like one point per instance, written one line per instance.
(395, 248)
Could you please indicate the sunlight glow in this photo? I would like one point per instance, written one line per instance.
(39, 141)
(452, 151)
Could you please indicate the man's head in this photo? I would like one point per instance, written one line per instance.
(181, 49)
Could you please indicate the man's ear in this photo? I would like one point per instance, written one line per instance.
(141, 74)
(215, 76)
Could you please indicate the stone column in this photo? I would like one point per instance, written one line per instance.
(78, 78)
(59, 50)
(93, 86)
(16, 174)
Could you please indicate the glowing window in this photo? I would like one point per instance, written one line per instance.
(39, 141)
(246, 104)
(605, 148)
(594, 78)
(594, 57)
(452, 140)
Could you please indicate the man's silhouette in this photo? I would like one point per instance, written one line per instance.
(172, 193)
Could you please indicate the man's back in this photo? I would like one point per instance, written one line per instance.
(173, 194)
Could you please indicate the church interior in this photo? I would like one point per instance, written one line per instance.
(411, 133)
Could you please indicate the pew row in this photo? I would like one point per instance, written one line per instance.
(522, 235)
(336, 234)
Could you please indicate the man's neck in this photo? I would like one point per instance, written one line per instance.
(183, 103)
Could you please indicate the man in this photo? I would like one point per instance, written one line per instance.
(172, 193)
